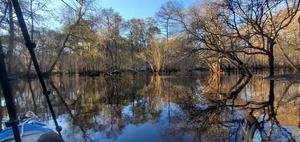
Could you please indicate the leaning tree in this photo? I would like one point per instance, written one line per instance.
(259, 22)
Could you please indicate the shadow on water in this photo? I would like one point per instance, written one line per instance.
(154, 108)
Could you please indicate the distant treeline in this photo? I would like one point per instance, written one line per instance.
(216, 36)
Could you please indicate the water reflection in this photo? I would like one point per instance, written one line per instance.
(143, 108)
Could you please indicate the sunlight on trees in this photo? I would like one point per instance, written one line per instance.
(217, 36)
(258, 23)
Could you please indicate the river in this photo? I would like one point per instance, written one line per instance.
(165, 108)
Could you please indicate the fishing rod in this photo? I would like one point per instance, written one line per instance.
(31, 45)
(9, 100)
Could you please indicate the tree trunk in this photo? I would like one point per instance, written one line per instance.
(289, 61)
(11, 40)
(29, 68)
(152, 68)
(80, 15)
(235, 61)
(132, 57)
(48, 73)
(271, 59)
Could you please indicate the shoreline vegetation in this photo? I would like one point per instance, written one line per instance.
(234, 37)
(292, 78)
(282, 74)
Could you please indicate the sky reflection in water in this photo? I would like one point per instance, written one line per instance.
(204, 108)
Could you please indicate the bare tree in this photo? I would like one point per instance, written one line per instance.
(80, 12)
(169, 27)
(206, 30)
(135, 38)
(287, 43)
(208, 27)
(110, 27)
(258, 23)
(153, 50)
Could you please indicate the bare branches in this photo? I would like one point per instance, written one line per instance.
(5, 5)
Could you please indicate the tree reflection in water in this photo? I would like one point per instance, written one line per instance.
(141, 108)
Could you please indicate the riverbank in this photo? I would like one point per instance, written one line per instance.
(293, 78)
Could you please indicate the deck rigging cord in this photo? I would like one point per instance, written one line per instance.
(31, 45)
(29, 118)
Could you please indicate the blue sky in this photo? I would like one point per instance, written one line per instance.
(129, 9)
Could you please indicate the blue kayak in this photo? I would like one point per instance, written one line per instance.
(31, 130)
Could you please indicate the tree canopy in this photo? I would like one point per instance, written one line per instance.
(217, 35)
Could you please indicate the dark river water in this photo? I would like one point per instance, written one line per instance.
(165, 108)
